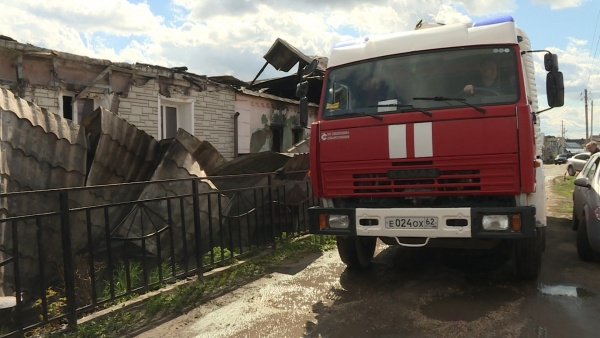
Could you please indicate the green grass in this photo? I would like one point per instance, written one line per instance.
(563, 187)
(184, 297)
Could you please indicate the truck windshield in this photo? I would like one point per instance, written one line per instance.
(475, 76)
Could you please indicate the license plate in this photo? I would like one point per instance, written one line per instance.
(411, 222)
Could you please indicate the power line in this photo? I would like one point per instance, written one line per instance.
(595, 49)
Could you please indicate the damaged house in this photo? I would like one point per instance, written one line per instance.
(69, 121)
(230, 115)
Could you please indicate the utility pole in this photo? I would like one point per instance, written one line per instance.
(563, 131)
(591, 120)
(585, 98)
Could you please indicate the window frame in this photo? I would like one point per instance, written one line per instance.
(185, 116)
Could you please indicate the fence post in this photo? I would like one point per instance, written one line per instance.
(272, 213)
(197, 229)
(65, 228)
(17, 273)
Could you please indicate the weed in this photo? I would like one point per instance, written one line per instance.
(54, 302)
(162, 272)
(119, 281)
(219, 256)
(191, 294)
(563, 187)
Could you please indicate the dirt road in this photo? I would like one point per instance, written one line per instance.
(412, 293)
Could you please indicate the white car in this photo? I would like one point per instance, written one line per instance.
(576, 163)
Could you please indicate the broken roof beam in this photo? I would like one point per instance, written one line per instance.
(194, 82)
(94, 84)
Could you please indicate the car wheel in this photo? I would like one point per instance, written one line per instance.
(357, 252)
(575, 220)
(583, 243)
(570, 170)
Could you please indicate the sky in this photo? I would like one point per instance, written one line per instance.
(230, 37)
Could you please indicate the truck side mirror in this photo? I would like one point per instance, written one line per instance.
(301, 89)
(555, 89)
(551, 62)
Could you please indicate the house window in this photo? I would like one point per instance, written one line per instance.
(67, 108)
(173, 115)
(78, 111)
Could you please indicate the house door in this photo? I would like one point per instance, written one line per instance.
(168, 121)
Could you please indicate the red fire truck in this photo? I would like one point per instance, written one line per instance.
(430, 137)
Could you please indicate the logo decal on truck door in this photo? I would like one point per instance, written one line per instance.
(414, 139)
(335, 135)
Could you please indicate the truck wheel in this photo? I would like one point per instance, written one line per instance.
(528, 257)
(356, 252)
(583, 243)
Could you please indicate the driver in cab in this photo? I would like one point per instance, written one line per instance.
(487, 83)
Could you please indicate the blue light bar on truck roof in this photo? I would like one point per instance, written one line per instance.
(351, 42)
(493, 20)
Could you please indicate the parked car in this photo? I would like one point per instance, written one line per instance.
(576, 163)
(561, 158)
(586, 209)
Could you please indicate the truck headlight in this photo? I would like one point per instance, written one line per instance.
(495, 222)
(339, 221)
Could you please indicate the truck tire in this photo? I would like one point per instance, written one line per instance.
(528, 257)
(583, 243)
(356, 252)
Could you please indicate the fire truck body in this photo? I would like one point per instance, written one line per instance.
(402, 153)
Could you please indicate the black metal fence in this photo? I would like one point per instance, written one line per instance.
(65, 253)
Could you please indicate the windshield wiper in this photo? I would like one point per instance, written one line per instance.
(375, 116)
(442, 98)
(406, 108)
(354, 114)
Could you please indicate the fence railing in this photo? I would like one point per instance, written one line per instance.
(65, 253)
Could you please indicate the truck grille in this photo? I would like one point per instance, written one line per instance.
(452, 180)
(450, 177)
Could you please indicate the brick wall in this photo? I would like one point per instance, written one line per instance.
(44, 97)
(213, 122)
(140, 107)
(213, 111)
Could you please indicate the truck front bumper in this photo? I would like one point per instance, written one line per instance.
(504, 222)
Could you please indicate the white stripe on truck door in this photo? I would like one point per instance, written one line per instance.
(397, 140)
(423, 140)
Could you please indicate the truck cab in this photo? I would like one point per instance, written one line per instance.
(430, 138)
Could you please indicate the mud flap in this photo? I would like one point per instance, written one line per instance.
(356, 252)
(527, 256)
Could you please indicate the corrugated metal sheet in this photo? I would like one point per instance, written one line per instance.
(203, 152)
(121, 152)
(38, 144)
(178, 162)
(263, 162)
(38, 150)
